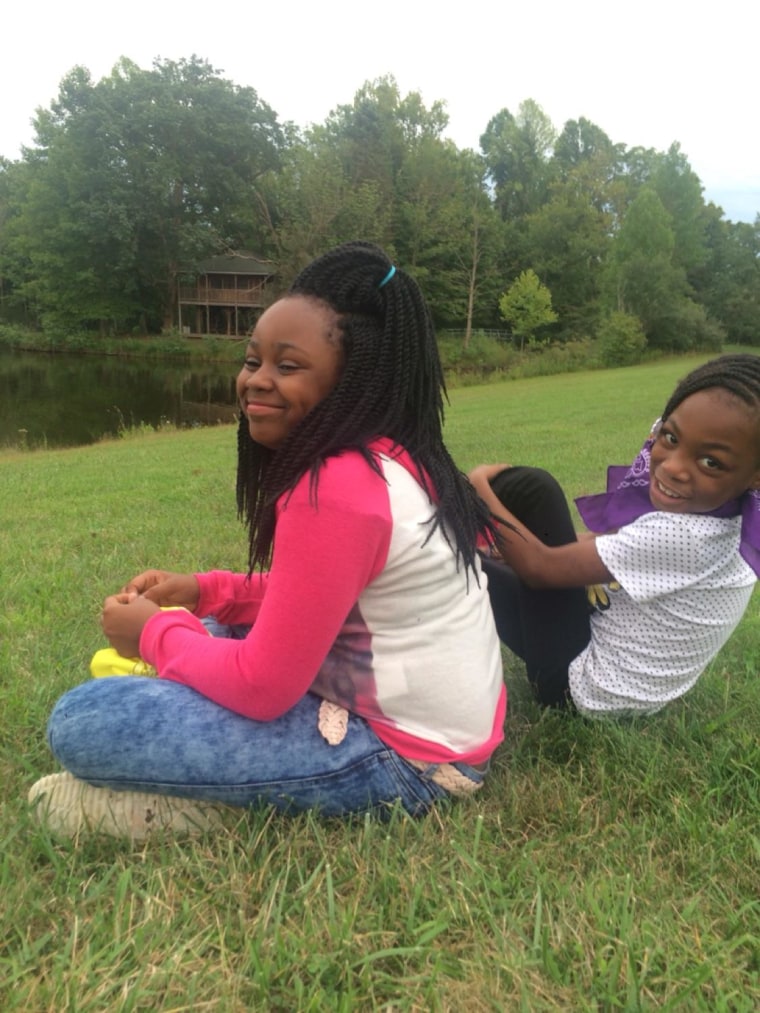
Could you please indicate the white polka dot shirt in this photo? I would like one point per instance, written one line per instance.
(684, 588)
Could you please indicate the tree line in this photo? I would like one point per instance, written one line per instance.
(133, 180)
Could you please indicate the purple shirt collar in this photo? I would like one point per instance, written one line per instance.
(627, 498)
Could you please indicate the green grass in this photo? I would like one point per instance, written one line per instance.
(604, 866)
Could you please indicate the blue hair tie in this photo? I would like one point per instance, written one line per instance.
(388, 277)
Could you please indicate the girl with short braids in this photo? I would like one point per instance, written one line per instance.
(355, 664)
(670, 571)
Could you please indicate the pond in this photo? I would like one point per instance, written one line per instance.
(70, 400)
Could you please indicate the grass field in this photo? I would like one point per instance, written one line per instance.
(604, 867)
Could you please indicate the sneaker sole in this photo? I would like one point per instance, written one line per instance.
(68, 806)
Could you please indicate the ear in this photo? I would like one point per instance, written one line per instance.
(755, 483)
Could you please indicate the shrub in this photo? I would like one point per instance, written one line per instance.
(621, 340)
(557, 357)
(482, 356)
(692, 329)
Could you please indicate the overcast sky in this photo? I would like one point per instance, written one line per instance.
(648, 73)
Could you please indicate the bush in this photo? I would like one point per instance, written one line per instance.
(557, 357)
(621, 340)
(482, 356)
(692, 329)
(13, 336)
(87, 342)
(487, 359)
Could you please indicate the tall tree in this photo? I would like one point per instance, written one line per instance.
(642, 278)
(378, 130)
(517, 150)
(567, 241)
(424, 195)
(729, 282)
(14, 264)
(582, 141)
(585, 156)
(480, 261)
(317, 206)
(680, 191)
(135, 178)
(445, 229)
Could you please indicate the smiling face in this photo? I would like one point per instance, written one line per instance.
(293, 361)
(706, 453)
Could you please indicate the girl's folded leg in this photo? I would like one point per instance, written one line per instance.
(157, 736)
(536, 498)
(546, 628)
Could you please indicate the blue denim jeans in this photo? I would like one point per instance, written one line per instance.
(154, 735)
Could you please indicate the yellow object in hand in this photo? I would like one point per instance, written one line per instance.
(108, 661)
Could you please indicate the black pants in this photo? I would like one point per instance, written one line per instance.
(546, 628)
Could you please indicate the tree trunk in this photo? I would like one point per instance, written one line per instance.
(171, 298)
(472, 285)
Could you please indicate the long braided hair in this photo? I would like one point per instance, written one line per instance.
(391, 385)
(737, 374)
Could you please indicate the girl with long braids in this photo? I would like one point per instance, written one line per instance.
(677, 554)
(356, 664)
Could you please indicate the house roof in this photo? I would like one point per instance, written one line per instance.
(236, 263)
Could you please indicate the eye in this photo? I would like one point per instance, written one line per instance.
(251, 363)
(287, 367)
(710, 464)
(668, 438)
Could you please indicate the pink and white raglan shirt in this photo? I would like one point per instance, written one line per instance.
(362, 606)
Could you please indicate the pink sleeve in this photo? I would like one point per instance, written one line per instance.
(230, 597)
(325, 554)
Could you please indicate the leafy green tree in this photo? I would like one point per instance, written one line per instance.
(376, 133)
(479, 261)
(641, 278)
(14, 264)
(316, 206)
(567, 240)
(582, 141)
(382, 170)
(645, 279)
(527, 306)
(729, 282)
(680, 191)
(447, 231)
(518, 150)
(133, 179)
(568, 237)
(586, 158)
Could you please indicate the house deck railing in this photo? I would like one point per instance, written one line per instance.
(221, 296)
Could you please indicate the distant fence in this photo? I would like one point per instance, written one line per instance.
(452, 332)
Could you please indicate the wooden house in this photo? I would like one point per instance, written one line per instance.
(227, 296)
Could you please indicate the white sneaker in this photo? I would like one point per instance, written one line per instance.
(68, 806)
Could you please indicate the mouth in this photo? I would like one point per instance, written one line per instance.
(664, 491)
(260, 409)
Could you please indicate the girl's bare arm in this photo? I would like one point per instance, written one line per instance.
(537, 565)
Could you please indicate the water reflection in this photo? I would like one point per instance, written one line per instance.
(67, 400)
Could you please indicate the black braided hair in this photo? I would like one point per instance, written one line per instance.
(391, 385)
(737, 374)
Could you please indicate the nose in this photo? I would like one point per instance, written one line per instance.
(259, 378)
(675, 467)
